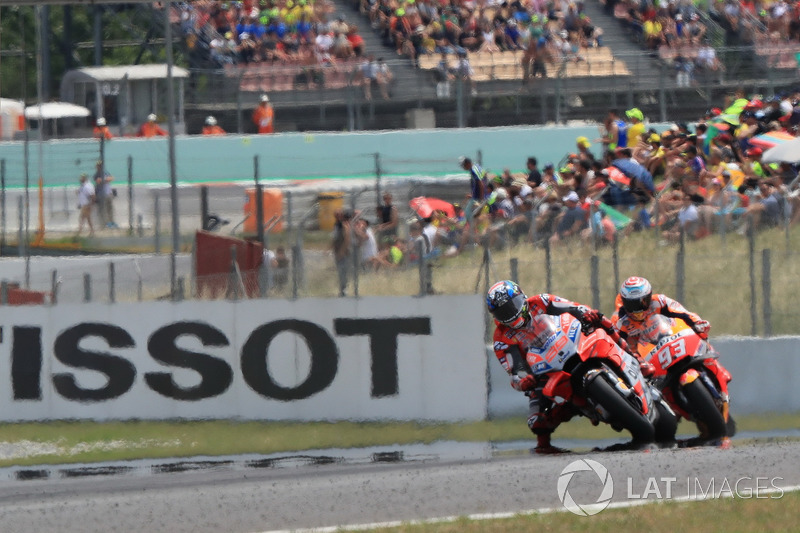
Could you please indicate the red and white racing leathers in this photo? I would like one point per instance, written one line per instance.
(510, 347)
(631, 330)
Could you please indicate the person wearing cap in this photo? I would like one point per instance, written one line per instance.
(571, 220)
(636, 127)
(656, 160)
(752, 166)
(749, 127)
(101, 130)
(583, 145)
(211, 127)
(264, 116)
(151, 128)
(550, 180)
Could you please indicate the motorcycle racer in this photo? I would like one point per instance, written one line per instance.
(512, 311)
(636, 302)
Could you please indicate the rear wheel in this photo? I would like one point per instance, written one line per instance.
(730, 426)
(704, 410)
(622, 412)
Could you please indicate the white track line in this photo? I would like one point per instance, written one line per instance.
(500, 516)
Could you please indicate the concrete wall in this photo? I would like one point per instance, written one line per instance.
(294, 155)
(765, 373)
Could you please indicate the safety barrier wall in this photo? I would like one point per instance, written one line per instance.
(764, 377)
(294, 155)
(311, 359)
(390, 358)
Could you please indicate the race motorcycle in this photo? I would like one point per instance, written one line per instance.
(587, 368)
(688, 375)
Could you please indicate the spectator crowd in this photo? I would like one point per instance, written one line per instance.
(685, 180)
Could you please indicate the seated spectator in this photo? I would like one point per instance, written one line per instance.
(686, 220)
(767, 210)
(571, 221)
(246, 50)
(356, 41)
(545, 216)
(601, 229)
(341, 48)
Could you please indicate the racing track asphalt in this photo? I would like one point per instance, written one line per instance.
(304, 493)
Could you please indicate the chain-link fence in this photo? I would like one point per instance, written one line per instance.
(742, 280)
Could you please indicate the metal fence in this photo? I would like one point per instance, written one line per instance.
(743, 283)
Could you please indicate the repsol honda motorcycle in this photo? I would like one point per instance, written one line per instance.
(688, 375)
(587, 368)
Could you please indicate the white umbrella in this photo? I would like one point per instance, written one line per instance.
(7, 104)
(788, 152)
(55, 110)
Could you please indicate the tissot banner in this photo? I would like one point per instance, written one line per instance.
(401, 358)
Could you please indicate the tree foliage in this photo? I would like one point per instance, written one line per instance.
(127, 33)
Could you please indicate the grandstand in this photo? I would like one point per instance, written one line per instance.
(622, 72)
(311, 94)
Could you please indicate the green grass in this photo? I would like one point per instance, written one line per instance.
(728, 515)
(70, 442)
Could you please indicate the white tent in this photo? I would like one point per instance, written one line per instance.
(55, 110)
(11, 117)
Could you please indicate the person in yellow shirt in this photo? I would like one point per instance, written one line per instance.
(653, 32)
(636, 129)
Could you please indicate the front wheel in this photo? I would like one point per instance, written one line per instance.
(621, 412)
(704, 410)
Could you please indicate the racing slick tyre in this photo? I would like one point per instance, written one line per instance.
(730, 426)
(622, 412)
(666, 424)
(704, 411)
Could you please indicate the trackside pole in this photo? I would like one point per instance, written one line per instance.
(766, 290)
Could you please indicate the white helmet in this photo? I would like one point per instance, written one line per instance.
(151, 117)
(101, 121)
(211, 121)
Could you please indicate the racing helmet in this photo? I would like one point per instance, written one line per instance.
(636, 294)
(508, 304)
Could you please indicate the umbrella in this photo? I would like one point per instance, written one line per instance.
(771, 139)
(55, 110)
(633, 169)
(787, 152)
(425, 206)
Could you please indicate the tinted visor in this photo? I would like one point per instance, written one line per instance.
(637, 305)
(510, 310)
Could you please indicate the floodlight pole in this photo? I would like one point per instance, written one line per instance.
(173, 187)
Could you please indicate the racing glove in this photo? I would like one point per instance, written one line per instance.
(527, 383)
(588, 317)
(701, 327)
(647, 368)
